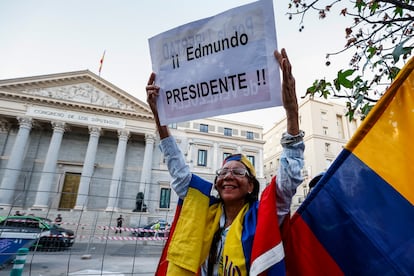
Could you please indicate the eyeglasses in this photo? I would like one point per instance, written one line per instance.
(238, 172)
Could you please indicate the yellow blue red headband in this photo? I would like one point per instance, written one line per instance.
(243, 159)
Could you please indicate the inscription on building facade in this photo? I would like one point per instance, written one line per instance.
(75, 117)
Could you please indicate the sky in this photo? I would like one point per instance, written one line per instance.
(50, 36)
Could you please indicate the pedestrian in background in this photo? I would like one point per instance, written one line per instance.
(58, 219)
(119, 222)
(17, 213)
(156, 228)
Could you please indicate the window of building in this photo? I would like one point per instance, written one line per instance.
(324, 117)
(225, 155)
(164, 159)
(173, 125)
(325, 130)
(353, 126)
(328, 163)
(327, 147)
(305, 192)
(340, 125)
(203, 128)
(251, 159)
(165, 196)
(228, 131)
(202, 158)
(249, 135)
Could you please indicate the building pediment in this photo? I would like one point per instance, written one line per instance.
(78, 90)
(82, 93)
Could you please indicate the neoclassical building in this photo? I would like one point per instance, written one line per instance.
(74, 141)
(327, 130)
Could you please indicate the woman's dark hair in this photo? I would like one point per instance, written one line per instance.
(254, 195)
(212, 257)
(315, 180)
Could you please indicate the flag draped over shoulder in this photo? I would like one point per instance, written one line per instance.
(267, 256)
(359, 219)
(253, 241)
(191, 230)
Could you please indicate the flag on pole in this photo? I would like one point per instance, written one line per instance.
(359, 219)
(101, 62)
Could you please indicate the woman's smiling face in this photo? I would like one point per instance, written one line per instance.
(233, 183)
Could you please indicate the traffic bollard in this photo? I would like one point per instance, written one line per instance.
(19, 262)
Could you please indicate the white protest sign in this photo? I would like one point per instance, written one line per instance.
(218, 65)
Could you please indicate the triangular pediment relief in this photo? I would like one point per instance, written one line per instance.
(84, 93)
(82, 89)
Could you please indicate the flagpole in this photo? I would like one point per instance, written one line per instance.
(101, 62)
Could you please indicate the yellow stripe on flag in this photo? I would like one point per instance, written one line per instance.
(387, 133)
(190, 243)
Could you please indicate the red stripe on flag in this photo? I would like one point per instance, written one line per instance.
(304, 255)
(267, 245)
(163, 263)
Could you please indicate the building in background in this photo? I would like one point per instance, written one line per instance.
(75, 142)
(327, 130)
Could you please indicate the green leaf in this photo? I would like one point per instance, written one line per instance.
(371, 50)
(398, 11)
(374, 6)
(343, 80)
(401, 50)
(360, 5)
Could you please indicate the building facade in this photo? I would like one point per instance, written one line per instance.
(327, 130)
(74, 141)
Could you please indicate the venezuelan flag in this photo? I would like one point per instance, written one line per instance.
(253, 242)
(184, 251)
(267, 257)
(359, 220)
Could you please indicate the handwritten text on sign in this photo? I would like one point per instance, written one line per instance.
(218, 65)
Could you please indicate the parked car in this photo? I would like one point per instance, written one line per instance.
(147, 230)
(52, 237)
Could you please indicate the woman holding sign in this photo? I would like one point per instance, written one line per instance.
(234, 234)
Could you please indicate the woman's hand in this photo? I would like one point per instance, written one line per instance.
(290, 102)
(152, 95)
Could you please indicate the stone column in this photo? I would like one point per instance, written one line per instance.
(147, 163)
(260, 164)
(14, 165)
(49, 168)
(239, 149)
(88, 166)
(117, 171)
(216, 163)
(190, 154)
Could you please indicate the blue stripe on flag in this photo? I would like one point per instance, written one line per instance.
(361, 220)
(201, 185)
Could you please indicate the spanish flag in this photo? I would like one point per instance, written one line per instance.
(101, 62)
(359, 219)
